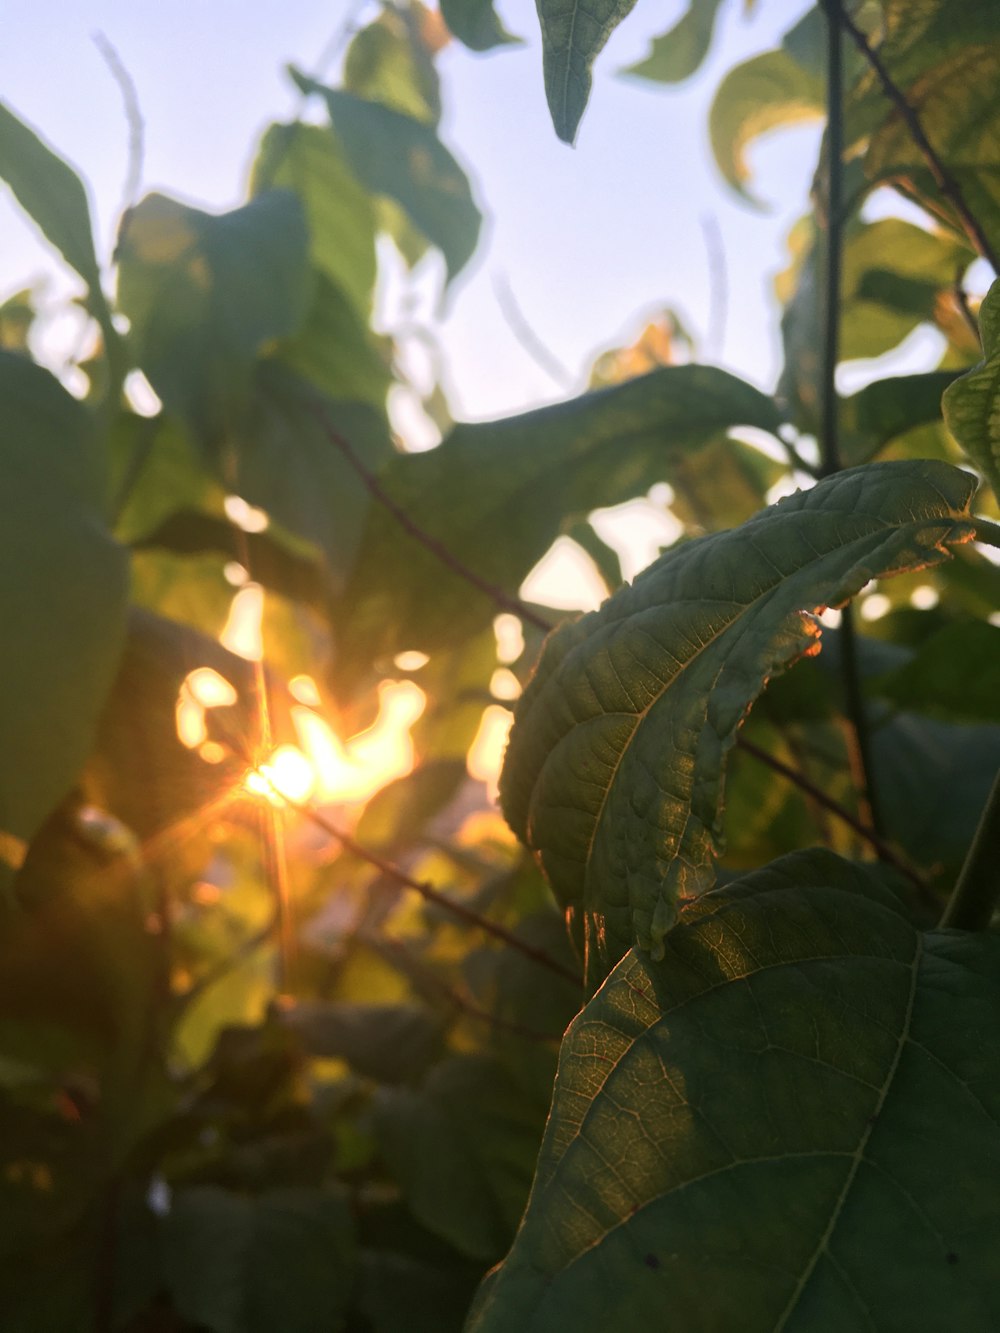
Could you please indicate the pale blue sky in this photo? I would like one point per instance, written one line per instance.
(587, 238)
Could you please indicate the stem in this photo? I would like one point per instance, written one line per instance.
(880, 846)
(429, 543)
(943, 179)
(974, 898)
(830, 458)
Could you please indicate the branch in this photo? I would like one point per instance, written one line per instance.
(943, 178)
(542, 356)
(429, 543)
(880, 846)
(974, 898)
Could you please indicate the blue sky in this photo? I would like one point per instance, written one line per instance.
(587, 238)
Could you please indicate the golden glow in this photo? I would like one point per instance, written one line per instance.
(209, 688)
(509, 636)
(212, 752)
(190, 721)
(303, 688)
(412, 660)
(242, 633)
(289, 773)
(245, 516)
(486, 752)
(504, 684)
(234, 573)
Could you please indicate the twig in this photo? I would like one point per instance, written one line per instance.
(943, 178)
(718, 284)
(429, 543)
(974, 898)
(133, 118)
(526, 335)
(830, 458)
(962, 300)
(881, 847)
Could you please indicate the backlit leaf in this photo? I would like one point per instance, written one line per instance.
(573, 36)
(614, 771)
(972, 404)
(782, 1124)
(63, 588)
(677, 54)
(392, 154)
(475, 23)
(197, 321)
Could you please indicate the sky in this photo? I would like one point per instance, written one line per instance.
(586, 239)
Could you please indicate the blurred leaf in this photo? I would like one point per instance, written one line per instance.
(955, 674)
(392, 1043)
(340, 213)
(614, 770)
(336, 351)
(573, 36)
(768, 91)
(475, 24)
(722, 485)
(463, 1150)
(400, 811)
(197, 324)
(819, 1075)
(885, 409)
(678, 54)
(971, 404)
(154, 464)
(401, 1294)
(17, 314)
(395, 155)
(238, 1264)
(63, 588)
(52, 195)
(286, 462)
(498, 493)
(388, 62)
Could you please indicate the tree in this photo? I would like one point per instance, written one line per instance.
(272, 1060)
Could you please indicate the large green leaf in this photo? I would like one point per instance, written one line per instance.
(340, 213)
(972, 404)
(614, 771)
(784, 1124)
(677, 54)
(573, 36)
(204, 293)
(51, 193)
(390, 62)
(238, 1264)
(496, 494)
(63, 587)
(392, 154)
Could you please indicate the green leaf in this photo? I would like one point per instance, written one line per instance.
(197, 322)
(63, 588)
(677, 54)
(885, 409)
(475, 24)
(51, 193)
(238, 1264)
(389, 62)
(395, 155)
(340, 213)
(782, 1124)
(498, 493)
(614, 770)
(573, 36)
(972, 404)
(955, 674)
(463, 1150)
(764, 93)
(393, 1043)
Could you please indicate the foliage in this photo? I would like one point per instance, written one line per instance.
(272, 1059)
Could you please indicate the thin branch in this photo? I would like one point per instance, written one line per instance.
(943, 178)
(502, 599)
(133, 118)
(427, 891)
(519, 326)
(962, 301)
(818, 795)
(974, 899)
